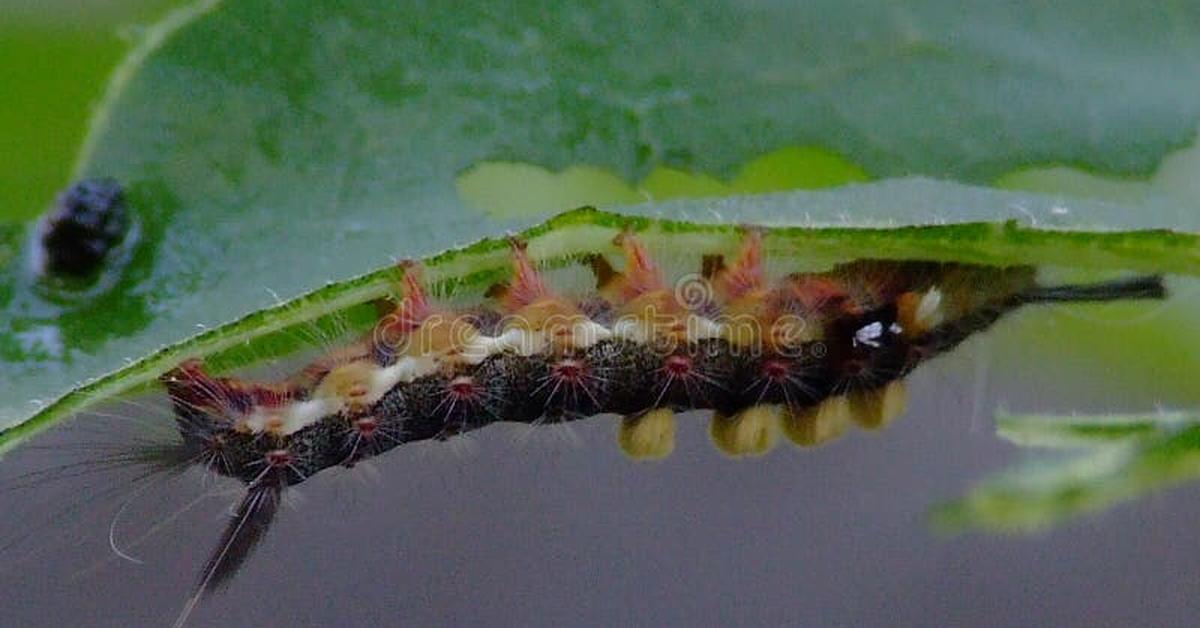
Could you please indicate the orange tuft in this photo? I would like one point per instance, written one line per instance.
(906, 314)
(747, 274)
(640, 276)
(316, 370)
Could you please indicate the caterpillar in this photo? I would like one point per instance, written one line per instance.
(807, 354)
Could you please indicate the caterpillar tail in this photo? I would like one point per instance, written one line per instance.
(1140, 287)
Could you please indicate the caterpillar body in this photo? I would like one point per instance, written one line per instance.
(806, 353)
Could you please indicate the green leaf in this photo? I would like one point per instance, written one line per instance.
(268, 152)
(1130, 457)
(1038, 430)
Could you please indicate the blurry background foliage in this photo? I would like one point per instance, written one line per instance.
(55, 56)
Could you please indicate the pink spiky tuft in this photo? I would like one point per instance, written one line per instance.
(747, 273)
(527, 285)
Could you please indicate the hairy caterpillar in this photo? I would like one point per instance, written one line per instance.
(808, 352)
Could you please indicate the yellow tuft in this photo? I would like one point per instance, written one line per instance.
(751, 432)
(875, 409)
(450, 339)
(545, 313)
(349, 383)
(817, 425)
(275, 424)
(650, 436)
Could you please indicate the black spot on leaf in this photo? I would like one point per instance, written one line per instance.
(87, 221)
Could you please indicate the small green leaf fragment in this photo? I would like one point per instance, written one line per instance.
(507, 189)
(797, 168)
(1137, 456)
(669, 183)
(1084, 431)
